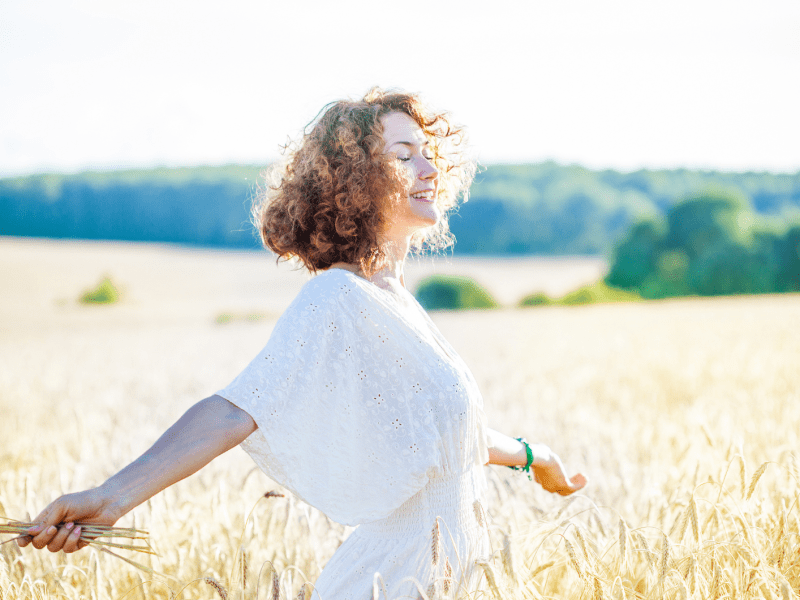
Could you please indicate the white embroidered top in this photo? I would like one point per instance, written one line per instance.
(361, 405)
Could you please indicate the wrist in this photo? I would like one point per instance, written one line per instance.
(529, 458)
(114, 500)
(542, 454)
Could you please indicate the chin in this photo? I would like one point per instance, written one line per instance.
(429, 220)
(427, 215)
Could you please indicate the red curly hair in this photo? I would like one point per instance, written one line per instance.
(328, 201)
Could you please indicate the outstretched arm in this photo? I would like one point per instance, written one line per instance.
(208, 429)
(547, 468)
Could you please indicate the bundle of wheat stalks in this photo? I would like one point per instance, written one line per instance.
(96, 535)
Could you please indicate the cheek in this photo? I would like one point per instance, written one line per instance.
(402, 174)
(407, 180)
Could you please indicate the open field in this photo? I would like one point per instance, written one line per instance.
(669, 407)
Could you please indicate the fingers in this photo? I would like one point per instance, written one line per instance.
(577, 482)
(57, 543)
(33, 532)
(47, 531)
(45, 536)
(72, 544)
(66, 538)
(553, 478)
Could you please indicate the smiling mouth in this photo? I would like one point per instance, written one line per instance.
(424, 196)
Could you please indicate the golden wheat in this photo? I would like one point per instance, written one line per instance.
(653, 401)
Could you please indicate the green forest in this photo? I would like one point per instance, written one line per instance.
(545, 208)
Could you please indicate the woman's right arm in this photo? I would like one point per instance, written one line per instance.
(209, 428)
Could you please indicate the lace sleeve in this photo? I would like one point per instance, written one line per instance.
(337, 422)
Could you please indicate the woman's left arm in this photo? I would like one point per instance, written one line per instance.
(547, 468)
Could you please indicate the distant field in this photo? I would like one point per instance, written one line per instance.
(669, 407)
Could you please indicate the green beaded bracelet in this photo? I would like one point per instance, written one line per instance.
(529, 456)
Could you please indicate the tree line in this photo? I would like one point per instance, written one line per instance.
(542, 208)
(710, 244)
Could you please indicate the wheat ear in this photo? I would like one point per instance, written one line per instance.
(756, 476)
(223, 593)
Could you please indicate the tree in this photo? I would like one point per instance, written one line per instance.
(636, 257)
(710, 245)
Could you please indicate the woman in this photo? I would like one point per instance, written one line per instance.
(357, 404)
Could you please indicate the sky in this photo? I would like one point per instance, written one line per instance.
(107, 84)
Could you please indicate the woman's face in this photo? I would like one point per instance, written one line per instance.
(409, 144)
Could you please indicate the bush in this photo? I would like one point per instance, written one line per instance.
(538, 299)
(596, 293)
(105, 293)
(451, 292)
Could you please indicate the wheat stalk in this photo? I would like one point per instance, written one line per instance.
(490, 579)
(507, 556)
(712, 518)
(223, 593)
(477, 507)
(598, 590)
(756, 476)
(684, 592)
(748, 557)
(648, 552)
(691, 512)
(430, 592)
(680, 525)
(244, 567)
(582, 542)
(692, 575)
(623, 544)
(305, 592)
(436, 543)
(664, 561)
(573, 557)
(91, 534)
(448, 576)
(618, 589)
(715, 577)
(276, 586)
(742, 474)
(540, 568)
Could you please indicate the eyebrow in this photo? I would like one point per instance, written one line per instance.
(411, 144)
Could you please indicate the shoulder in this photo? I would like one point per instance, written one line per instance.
(330, 283)
(335, 288)
(334, 295)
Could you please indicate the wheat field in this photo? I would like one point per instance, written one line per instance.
(683, 414)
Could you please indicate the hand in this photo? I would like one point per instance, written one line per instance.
(549, 472)
(57, 527)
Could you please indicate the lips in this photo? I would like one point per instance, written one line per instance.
(428, 195)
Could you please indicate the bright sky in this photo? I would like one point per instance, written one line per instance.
(606, 83)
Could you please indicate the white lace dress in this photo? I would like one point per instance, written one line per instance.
(365, 412)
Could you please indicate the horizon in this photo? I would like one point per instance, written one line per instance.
(101, 170)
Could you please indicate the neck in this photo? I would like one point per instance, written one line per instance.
(396, 250)
(391, 274)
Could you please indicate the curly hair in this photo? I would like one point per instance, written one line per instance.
(328, 201)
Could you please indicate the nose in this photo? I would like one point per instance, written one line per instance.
(427, 169)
